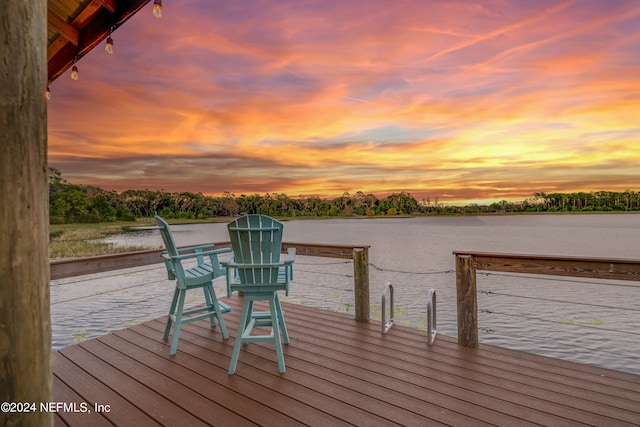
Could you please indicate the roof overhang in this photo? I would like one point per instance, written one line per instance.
(77, 26)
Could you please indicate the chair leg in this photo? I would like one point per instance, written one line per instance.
(178, 322)
(250, 304)
(275, 315)
(207, 298)
(283, 325)
(172, 311)
(218, 311)
(244, 318)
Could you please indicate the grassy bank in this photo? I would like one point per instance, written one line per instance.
(82, 240)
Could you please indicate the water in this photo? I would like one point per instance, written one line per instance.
(588, 321)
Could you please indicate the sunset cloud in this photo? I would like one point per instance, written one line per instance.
(458, 101)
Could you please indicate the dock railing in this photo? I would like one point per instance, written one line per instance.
(467, 263)
(359, 254)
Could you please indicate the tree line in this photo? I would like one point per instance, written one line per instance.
(598, 201)
(71, 203)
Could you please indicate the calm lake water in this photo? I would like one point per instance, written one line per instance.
(589, 321)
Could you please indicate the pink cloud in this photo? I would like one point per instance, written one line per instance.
(324, 97)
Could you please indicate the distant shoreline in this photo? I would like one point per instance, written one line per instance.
(146, 221)
(78, 240)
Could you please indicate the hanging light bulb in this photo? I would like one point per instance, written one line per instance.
(157, 8)
(74, 69)
(109, 46)
(47, 93)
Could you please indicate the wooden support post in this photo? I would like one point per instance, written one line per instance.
(361, 283)
(25, 325)
(467, 299)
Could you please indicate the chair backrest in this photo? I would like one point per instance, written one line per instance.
(256, 241)
(167, 237)
(174, 269)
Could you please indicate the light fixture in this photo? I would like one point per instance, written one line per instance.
(47, 93)
(74, 69)
(109, 46)
(157, 8)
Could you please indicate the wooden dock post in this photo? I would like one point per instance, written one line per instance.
(361, 283)
(25, 325)
(467, 301)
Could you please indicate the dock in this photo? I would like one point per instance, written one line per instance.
(339, 372)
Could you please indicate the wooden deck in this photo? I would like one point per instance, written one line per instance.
(339, 372)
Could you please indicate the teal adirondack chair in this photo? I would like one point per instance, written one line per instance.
(191, 275)
(258, 272)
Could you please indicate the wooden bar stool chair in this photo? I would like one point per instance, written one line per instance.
(257, 271)
(199, 274)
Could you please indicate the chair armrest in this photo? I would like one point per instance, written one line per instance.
(197, 254)
(171, 272)
(233, 264)
(194, 248)
(291, 256)
(289, 260)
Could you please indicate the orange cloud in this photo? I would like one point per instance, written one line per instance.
(459, 101)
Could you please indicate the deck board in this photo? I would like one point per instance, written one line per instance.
(339, 372)
(64, 393)
(94, 391)
(539, 383)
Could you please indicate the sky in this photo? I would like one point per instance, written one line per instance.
(450, 101)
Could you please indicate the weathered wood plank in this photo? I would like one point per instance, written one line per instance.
(61, 269)
(467, 301)
(89, 265)
(361, 283)
(468, 262)
(327, 251)
(595, 268)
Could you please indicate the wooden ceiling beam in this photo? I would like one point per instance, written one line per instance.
(110, 5)
(65, 30)
(55, 47)
(87, 14)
